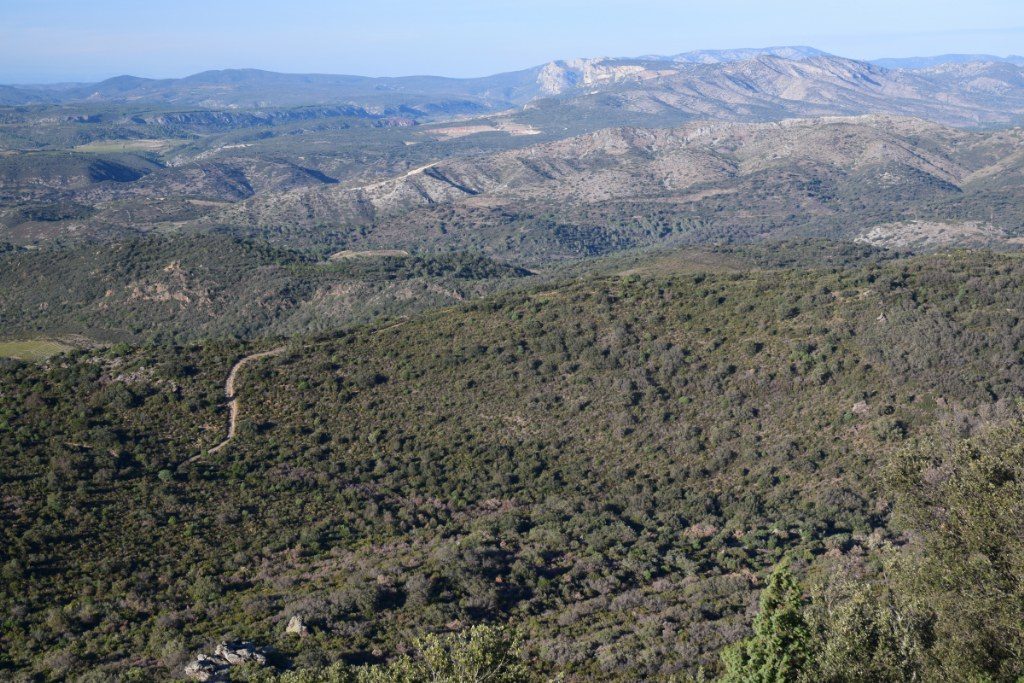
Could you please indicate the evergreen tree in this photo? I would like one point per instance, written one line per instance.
(780, 647)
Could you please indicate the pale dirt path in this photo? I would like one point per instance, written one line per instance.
(414, 171)
(233, 404)
(229, 390)
(392, 326)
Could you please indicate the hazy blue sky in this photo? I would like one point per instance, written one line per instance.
(52, 40)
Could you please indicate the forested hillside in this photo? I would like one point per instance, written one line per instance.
(184, 288)
(611, 467)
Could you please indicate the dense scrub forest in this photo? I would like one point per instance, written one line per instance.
(762, 475)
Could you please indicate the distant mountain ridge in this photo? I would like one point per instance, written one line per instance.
(770, 88)
(254, 88)
(435, 95)
(741, 54)
(937, 60)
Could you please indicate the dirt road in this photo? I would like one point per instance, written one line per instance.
(233, 402)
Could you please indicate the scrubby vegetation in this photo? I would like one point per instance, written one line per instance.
(612, 466)
(947, 607)
(191, 287)
(585, 387)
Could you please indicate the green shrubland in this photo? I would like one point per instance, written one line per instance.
(612, 468)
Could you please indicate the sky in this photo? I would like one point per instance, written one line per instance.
(87, 40)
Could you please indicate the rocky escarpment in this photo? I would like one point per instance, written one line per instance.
(557, 78)
(774, 87)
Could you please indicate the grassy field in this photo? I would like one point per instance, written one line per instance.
(31, 349)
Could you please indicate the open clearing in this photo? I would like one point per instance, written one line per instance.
(501, 126)
(923, 234)
(109, 146)
(31, 349)
(370, 253)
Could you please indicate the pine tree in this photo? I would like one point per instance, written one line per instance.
(780, 648)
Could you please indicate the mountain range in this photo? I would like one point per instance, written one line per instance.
(938, 60)
(967, 82)
(771, 88)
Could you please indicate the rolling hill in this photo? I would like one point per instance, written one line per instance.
(485, 186)
(705, 182)
(186, 288)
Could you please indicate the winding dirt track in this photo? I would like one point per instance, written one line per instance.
(233, 403)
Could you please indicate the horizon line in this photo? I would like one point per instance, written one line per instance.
(70, 82)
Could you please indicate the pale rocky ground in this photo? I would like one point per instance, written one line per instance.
(938, 234)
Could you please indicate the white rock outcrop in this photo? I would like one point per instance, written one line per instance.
(216, 668)
(297, 626)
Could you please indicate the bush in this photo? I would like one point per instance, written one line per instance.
(481, 653)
